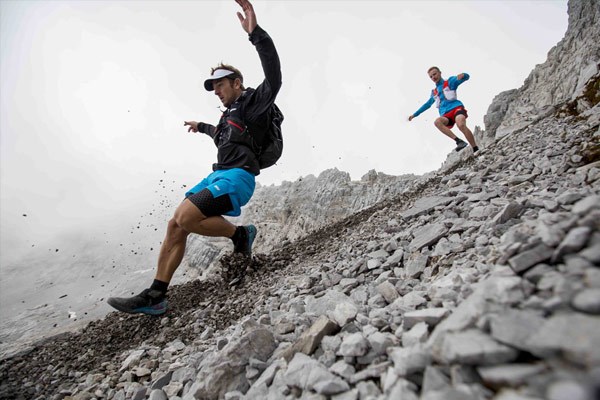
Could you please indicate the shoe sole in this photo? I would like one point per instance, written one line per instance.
(156, 309)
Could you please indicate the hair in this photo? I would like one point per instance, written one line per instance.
(433, 68)
(236, 73)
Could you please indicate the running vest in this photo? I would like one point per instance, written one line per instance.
(449, 94)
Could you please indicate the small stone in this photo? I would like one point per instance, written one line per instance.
(388, 291)
(157, 394)
(409, 360)
(471, 347)
(344, 313)
(172, 389)
(343, 369)
(587, 301)
(417, 334)
(354, 345)
(427, 235)
(584, 206)
(573, 242)
(434, 379)
(431, 316)
(510, 211)
(567, 390)
(569, 197)
(512, 375)
(415, 265)
(527, 259)
(331, 387)
(515, 327)
(311, 338)
(285, 327)
(557, 335)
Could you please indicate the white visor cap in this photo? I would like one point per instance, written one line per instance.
(217, 74)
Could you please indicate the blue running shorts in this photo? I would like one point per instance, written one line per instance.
(237, 183)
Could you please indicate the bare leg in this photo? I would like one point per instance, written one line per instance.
(188, 219)
(461, 123)
(171, 252)
(440, 123)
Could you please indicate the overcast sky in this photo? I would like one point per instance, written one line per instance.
(94, 93)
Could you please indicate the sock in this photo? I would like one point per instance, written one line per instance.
(160, 286)
(240, 234)
(475, 149)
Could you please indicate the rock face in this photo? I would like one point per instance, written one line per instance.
(477, 281)
(570, 74)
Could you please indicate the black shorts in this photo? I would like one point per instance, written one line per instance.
(210, 205)
(451, 115)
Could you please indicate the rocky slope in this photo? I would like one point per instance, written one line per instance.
(478, 281)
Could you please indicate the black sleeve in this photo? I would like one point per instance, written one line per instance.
(209, 129)
(265, 93)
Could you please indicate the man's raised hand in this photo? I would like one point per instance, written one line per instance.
(248, 20)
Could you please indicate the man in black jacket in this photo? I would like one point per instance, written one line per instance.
(231, 184)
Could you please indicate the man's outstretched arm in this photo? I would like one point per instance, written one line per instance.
(423, 108)
(201, 127)
(266, 92)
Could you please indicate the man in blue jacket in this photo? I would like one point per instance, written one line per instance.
(451, 109)
(231, 184)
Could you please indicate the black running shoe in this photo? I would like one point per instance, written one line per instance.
(244, 245)
(460, 145)
(151, 302)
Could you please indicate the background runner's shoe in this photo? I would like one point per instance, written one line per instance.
(245, 244)
(151, 302)
(460, 145)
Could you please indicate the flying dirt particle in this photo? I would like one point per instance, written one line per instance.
(63, 296)
(56, 251)
(24, 215)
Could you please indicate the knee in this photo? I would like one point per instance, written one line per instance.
(175, 230)
(461, 122)
(187, 216)
(439, 122)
